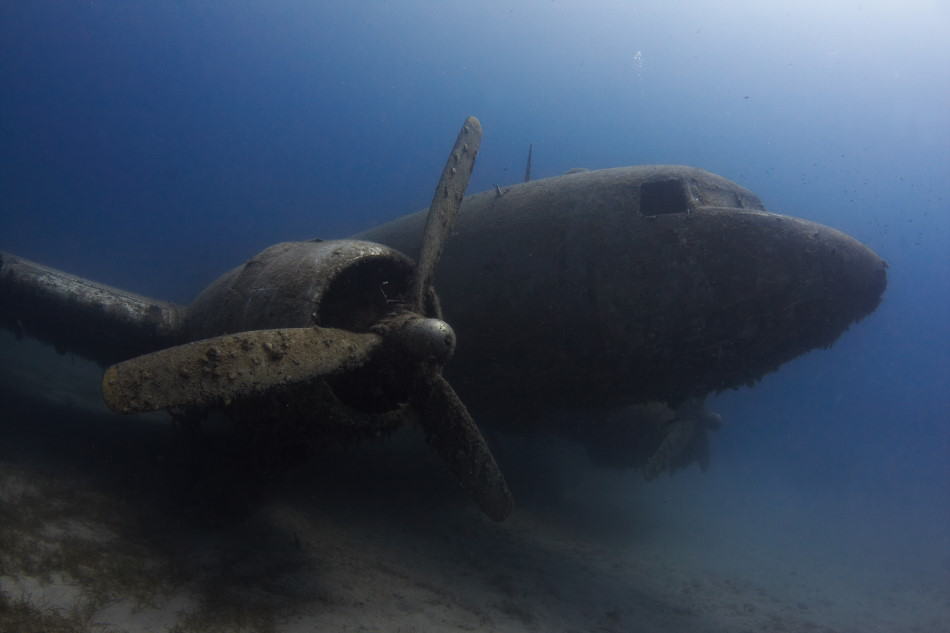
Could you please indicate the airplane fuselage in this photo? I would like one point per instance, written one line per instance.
(650, 283)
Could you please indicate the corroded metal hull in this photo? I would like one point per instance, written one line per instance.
(653, 283)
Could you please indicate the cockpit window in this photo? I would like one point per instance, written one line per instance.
(712, 194)
(720, 197)
(664, 196)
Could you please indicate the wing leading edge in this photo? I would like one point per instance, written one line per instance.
(77, 315)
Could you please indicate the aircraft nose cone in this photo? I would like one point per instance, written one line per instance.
(852, 276)
(746, 291)
(826, 278)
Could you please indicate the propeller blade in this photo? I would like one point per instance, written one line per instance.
(454, 435)
(445, 205)
(217, 370)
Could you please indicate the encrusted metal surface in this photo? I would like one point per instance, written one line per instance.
(564, 294)
(77, 315)
(212, 372)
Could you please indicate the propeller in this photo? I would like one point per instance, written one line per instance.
(219, 370)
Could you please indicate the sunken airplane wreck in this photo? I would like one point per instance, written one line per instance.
(637, 290)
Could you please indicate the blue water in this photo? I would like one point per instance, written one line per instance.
(152, 145)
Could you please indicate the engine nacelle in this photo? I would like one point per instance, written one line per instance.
(348, 284)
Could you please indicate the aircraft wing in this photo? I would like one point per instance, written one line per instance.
(76, 315)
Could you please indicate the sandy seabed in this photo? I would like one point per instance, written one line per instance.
(109, 524)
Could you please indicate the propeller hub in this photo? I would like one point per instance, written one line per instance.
(428, 338)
